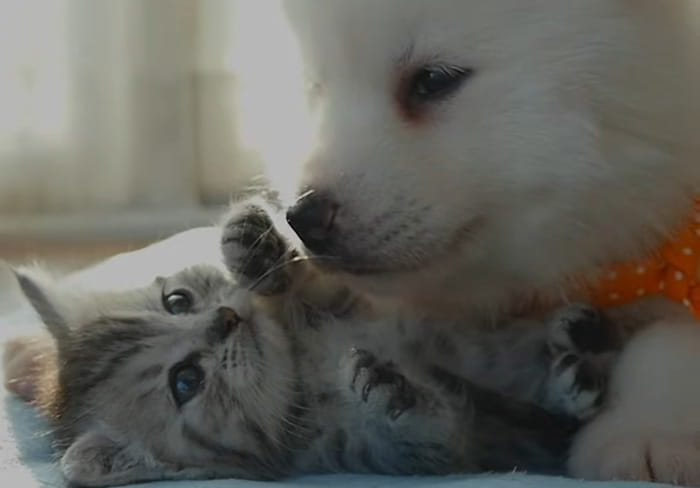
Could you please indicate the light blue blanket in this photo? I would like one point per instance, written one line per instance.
(26, 457)
(26, 462)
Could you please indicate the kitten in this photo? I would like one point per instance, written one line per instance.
(198, 376)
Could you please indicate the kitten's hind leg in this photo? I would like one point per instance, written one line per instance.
(506, 433)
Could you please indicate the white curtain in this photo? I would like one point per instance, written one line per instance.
(118, 105)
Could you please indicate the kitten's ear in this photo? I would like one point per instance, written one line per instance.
(40, 297)
(96, 460)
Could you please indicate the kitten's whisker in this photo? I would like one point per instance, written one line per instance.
(291, 425)
(253, 247)
(289, 262)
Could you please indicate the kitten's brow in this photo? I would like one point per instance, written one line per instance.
(150, 372)
(112, 365)
(93, 362)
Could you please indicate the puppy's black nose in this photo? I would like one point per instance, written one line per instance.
(312, 218)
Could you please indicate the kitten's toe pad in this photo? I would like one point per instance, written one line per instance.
(583, 329)
(575, 387)
(254, 251)
(381, 382)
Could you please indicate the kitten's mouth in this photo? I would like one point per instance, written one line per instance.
(249, 330)
(243, 357)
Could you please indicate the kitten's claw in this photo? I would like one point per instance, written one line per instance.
(363, 360)
(404, 398)
(395, 413)
(366, 391)
(384, 378)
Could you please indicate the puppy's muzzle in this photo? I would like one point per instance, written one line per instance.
(312, 217)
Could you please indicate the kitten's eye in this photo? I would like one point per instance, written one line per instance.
(435, 83)
(186, 382)
(178, 302)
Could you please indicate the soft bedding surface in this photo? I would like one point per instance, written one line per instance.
(26, 457)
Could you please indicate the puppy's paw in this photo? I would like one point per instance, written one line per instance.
(254, 251)
(24, 361)
(602, 452)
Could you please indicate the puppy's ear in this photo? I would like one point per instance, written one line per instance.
(96, 460)
(43, 300)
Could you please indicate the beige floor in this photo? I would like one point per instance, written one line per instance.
(79, 239)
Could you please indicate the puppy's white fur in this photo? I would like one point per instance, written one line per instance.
(651, 427)
(574, 145)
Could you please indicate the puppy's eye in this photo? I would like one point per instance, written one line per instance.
(435, 83)
(178, 302)
(186, 382)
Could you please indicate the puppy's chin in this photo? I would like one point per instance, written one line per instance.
(424, 289)
(389, 261)
(442, 296)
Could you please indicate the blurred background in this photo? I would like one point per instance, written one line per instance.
(120, 121)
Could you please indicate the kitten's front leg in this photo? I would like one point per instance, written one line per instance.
(506, 433)
(395, 394)
(397, 425)
(254, 251)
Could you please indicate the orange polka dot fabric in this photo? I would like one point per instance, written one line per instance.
(674, 271)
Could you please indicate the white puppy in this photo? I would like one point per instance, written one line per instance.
(500, 145)
(471, 153)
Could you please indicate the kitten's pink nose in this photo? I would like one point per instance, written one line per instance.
(229, 316)
(225, 322)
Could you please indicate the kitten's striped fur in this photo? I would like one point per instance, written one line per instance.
(299, 377)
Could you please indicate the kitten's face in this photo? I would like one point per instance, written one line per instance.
(192, 381)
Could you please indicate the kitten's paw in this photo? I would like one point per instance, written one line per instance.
(24, 359)
(381, 383)
(575, 387)
(583, 346)
(254, 251)
(601, 452)
(583, 329)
